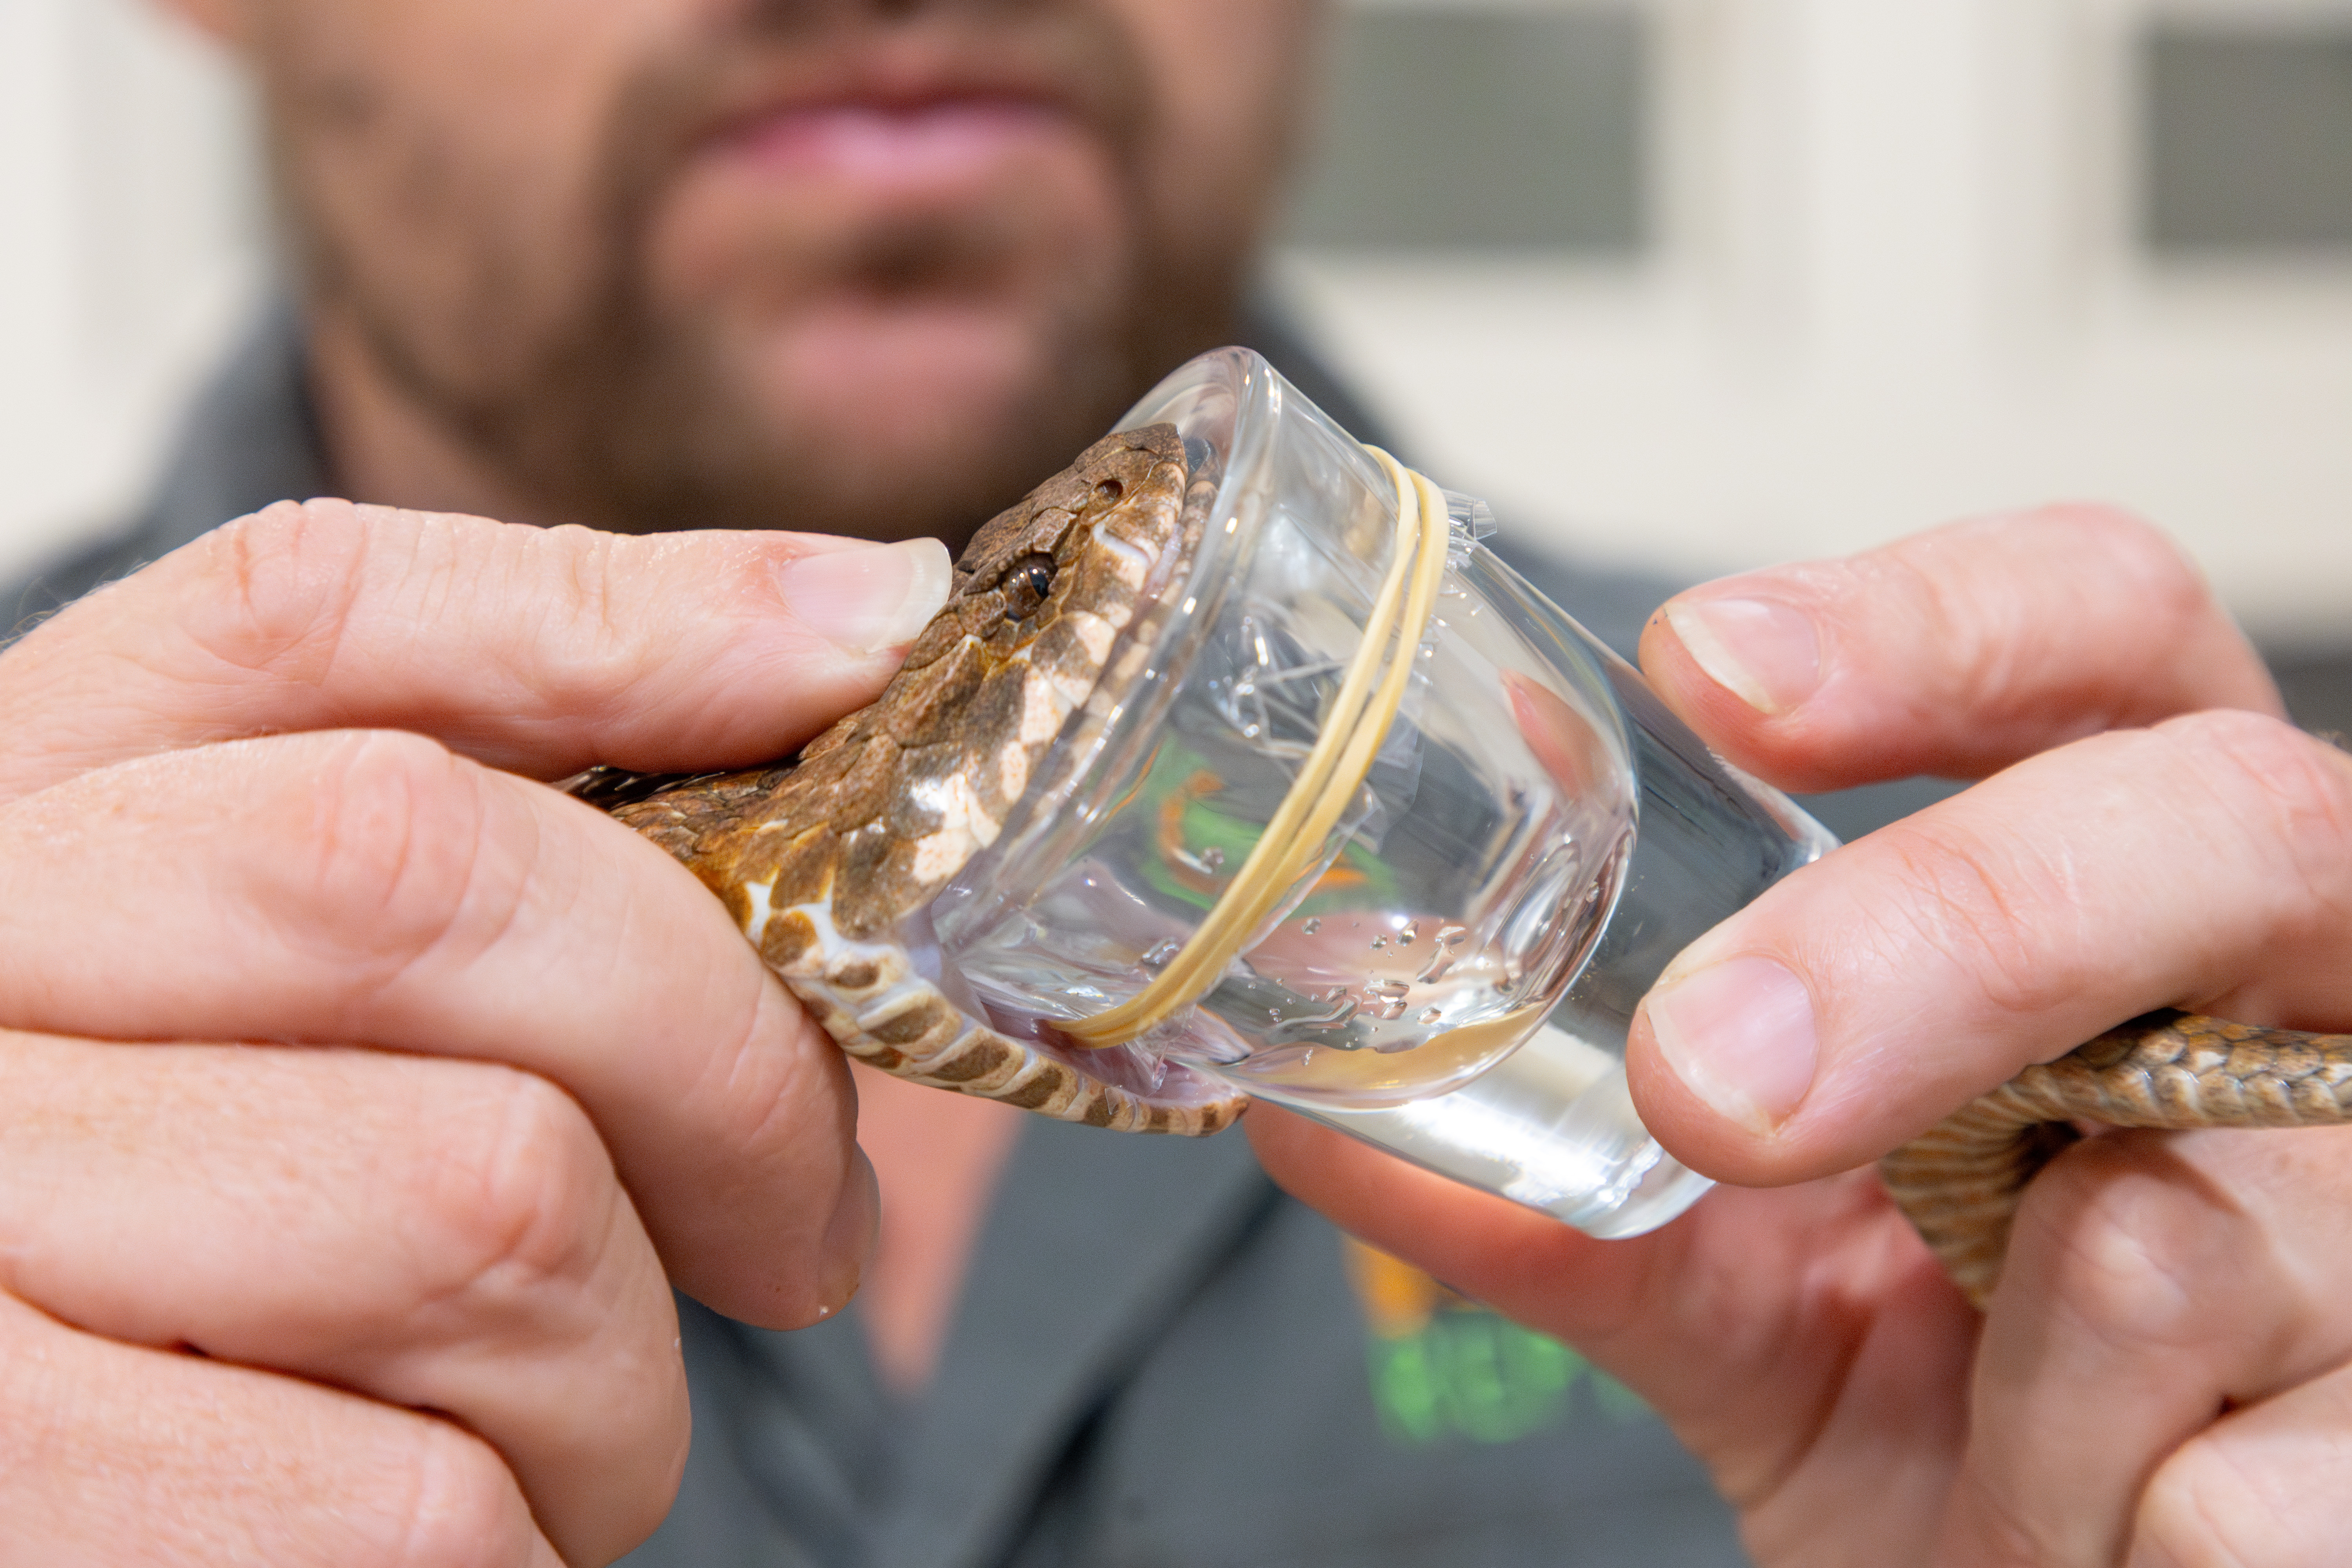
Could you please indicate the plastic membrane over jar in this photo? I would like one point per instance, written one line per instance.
(1448, 966)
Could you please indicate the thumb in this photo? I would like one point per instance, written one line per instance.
(2203, 864)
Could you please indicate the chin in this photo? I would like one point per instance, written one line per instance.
(859, 317)
(952, 369)
(931, 415)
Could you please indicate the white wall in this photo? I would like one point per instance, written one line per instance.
(129, 242)
(1894, 286)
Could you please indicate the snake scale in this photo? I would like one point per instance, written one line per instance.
(821, 857)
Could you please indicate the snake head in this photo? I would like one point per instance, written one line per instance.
(827, 864)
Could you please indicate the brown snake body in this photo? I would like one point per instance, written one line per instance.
(823, 860)
(1960, 1181)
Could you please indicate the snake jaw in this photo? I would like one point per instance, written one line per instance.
(823, 861)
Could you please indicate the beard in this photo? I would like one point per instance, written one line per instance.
(886, 373)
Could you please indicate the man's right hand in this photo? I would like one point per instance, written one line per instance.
(364, 1097)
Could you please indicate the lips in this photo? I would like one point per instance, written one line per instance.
(885, 144)
(881, 167)
(937, 96)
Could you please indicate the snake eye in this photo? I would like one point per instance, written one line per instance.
(1026, 585)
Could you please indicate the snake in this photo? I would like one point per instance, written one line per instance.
(826, 861)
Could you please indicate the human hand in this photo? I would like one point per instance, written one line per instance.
(361, 1094)
(2165, 1374)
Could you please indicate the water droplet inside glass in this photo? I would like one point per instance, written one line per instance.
(1212, 858)
(1405, 937)
(1163, 954)
(1314, 923)
(1431, 1015)
(1379, 942)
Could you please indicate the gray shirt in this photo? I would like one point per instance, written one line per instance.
(1157, 1359)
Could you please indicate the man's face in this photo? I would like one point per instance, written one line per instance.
(846, 265)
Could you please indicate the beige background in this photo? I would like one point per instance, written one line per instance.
(1892, 281)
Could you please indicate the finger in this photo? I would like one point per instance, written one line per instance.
(543, 650)
(371, 888)
(443, 1235)
(1954, 652)
(116, 1454)
(1868, 996)
(2153, 1280)
(1782, 1335)
(2262, 1484)
(1519, 1261)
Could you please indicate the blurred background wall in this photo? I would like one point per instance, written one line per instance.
(1684, 284)
(132, 238)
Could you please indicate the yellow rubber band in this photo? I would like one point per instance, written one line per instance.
(1359, 721)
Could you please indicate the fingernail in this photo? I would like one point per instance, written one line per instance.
(866, 600)
(1765, 652)
(851, 1236)
(1740, 1034)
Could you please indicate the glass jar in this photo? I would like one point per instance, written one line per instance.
(1452, 974)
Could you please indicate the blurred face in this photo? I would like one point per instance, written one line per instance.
(851, 265)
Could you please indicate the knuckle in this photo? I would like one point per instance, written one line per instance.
(2205, 1507)
(458, 1505)
(586, 638)
(1986, 904)
(2301, 779)
(107, 1455)
(2282, 795)
(2130, 553)
(777, 1100)
(600, 650)
(282, 583)
(1960, 579)
(1920, 590)
(2116, 533)
(393, 854)
(2004, 1525)
(2127, 1255)
(2023, 906)
(758, 1092)
(516, 1196)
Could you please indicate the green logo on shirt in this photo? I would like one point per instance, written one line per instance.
(1444, 1368)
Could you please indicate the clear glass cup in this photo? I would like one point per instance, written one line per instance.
(1452, 977)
